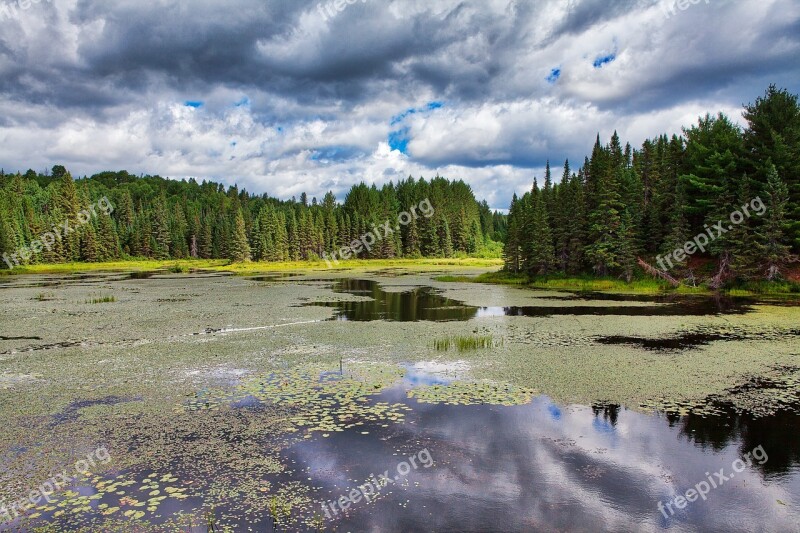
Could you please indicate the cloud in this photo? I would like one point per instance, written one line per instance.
(276, 97)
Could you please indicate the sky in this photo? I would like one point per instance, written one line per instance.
(286, 96)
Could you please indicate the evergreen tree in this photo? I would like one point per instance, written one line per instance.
(773, 138)
(605, 225)
(107, 238)
(160, 230)
(240, 248)
(771, 240)
(205, 248)
(540, 257)
(89, 244)
(742, 236)
(412, 247)
(512, 251)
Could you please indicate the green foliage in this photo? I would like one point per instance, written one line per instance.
(624, 204)
(465, 343)
(165, 220)
(101, 300)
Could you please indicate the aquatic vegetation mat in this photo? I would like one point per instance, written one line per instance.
(472, 393)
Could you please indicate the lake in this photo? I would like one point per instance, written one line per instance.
(386, 400)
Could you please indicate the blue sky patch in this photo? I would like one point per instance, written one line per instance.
(193, 103)
(604, 60)
(554, 75)
(398, 140)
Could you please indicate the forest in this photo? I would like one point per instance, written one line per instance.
(624, 205)
(620, 212)
(157, 218)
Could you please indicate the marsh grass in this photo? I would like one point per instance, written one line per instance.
(101, 300)
(607, 284)
(224, 265)
(575, 283)
(465, 343)
(178, 268)
(764, 287)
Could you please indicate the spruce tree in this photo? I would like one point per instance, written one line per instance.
(107, 238)
(773, 138)
(160, 230)
(772, 245)
(88, 242)
(412, 246)
(742, 236)
(540, 256)
(512, 251)
(205, 248)
(605, 225)
(240, 248)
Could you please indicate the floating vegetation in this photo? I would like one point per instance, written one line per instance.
(700, 337)
(316, 402)
(468, 393)
(466, 343)
(129, 497)
(760, 396)
(101, 300)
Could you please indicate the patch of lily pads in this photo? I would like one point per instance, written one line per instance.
(473, 393)
(760, 396)
(315, 402)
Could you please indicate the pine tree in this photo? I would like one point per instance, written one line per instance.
(540, 256)
(512, 251)
(771, 239)
(160, 230)
(240, 248)
(605, 224)
(68, 205)
(412, 246)
(89, 244)
(577, 223)
(744, 260)
(679, 232)
(445, 238)
(179, 247)
(205, 248)
(628, 246)
(293, 239)
(107, 238)
(773, 138)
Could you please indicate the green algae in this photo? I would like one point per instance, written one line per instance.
(192, 387)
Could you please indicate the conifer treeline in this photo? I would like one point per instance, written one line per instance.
(623, 203)
(165, 219)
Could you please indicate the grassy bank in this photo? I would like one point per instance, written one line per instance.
(637, 286)
(217, 265)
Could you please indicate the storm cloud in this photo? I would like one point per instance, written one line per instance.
(284, 96)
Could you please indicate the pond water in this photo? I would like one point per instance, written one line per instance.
(350, 436)
(534, 467)
(426, 304)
